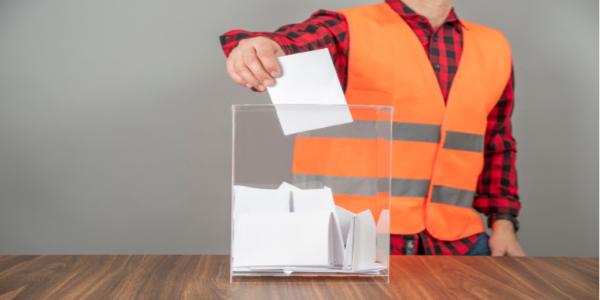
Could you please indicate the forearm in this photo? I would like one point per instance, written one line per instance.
(324, 29)
(497, 190)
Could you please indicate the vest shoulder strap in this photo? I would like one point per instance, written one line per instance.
(375, 12)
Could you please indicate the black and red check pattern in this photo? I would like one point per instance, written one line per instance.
(497, 190)
(443, 47)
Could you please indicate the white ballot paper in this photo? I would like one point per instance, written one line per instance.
(322, 200)
(249, 199)
(343, 215)
(308, 78)
(344, 218)
(276, 239)
(288, 187)
(364, 241)
(360, 247)
(383, 235)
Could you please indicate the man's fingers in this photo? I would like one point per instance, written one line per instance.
(266, 54)
(255, 65)
(237, 78)
(241, 69)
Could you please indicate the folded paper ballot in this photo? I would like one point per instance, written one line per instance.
(293, 230)
(363, 231)
(383, 236)
(344, 218)
(260, 200)
(288, 187)
(308, 78)
(274, 239)
(321, 200)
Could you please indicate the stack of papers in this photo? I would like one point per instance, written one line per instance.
(293, 230)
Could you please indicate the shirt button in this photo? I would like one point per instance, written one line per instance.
(437, 66)
(435, 38)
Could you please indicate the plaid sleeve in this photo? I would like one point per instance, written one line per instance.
(497, 190)
(324, 29)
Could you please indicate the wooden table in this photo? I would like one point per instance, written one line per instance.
(207, 277)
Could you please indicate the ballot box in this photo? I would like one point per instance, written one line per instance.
(311, 192)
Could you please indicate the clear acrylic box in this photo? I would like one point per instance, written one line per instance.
(353, 159)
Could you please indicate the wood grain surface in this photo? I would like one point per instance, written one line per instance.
(207, 277)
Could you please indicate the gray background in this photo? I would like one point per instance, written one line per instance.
(115, 125)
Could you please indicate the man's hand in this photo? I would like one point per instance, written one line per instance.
(503, 241)
(252, 63)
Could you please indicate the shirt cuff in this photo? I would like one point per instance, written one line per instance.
(231, 39)
(497, 205)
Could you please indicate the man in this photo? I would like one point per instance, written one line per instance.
(453, 123)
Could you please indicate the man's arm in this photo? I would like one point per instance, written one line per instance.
(251, 56)
(497, 191)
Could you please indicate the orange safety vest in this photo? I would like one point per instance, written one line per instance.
(437, 148)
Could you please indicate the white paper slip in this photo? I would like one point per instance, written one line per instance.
(364, 241)
(349, 251)
(248, 199)
(308, 78)
(288, 187)
(275, 239)
(383, 236)
(321, 200)
(344, 217)
(383, 224)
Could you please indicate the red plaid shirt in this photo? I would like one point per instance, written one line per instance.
(497, 190)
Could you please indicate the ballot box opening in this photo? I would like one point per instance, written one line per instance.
(312, 202)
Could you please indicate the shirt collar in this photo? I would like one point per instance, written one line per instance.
(407, 13)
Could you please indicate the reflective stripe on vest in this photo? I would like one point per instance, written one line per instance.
(452, 196)
(464, 141)
(366, 130)
(411, 132)
(401, 187)
(366, 186)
